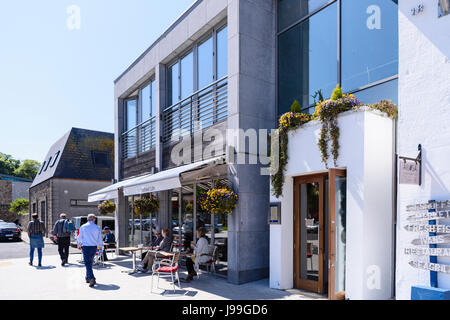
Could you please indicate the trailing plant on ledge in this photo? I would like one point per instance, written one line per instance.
(326, 112)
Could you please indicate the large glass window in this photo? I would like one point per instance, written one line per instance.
(131, 106)
(289, 11)
(205, 63)
(369, 42)
(308, 59)
(222, 53)
(146, 104)
(173, 87)
(187, 76)
(385, 91)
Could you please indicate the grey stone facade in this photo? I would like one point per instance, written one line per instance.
(251, 104)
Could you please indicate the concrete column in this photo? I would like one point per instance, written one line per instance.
(121, 220)
(251, 97)
(118, 129)
(164, 214)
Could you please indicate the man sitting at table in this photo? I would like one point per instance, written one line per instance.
(164, 246)
(155, 243)
(109, 240)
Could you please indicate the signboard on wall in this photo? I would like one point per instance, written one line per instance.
(409, 172)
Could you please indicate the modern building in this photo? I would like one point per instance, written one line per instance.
(11, 188)
(188, 109)
(80, 162)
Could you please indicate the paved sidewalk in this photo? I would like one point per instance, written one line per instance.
(21, 281)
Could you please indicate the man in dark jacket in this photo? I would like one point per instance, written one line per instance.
(109, 239)
(63, 237)
(164, 246)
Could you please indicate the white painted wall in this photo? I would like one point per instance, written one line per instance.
(367, 152)
(424, 101)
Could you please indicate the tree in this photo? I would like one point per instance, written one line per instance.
(8, 164)
(19, 206)
(27, 169)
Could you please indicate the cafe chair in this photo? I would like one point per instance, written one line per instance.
(166, 267)
(210, 264)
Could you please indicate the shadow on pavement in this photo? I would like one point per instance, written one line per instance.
(44, 267)
(106, 287)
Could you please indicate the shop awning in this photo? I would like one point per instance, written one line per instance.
(165, 180)
(110, 192)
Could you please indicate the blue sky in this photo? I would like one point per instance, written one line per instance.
(53, 78)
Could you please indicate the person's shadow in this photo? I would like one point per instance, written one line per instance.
(106, 287)
(44, 267)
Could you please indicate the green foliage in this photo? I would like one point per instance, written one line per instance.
(147, 204)
(27, 169)
(337, 93)
(318, 96)
(295, 107)
(12, 167)
(19, 206)
(8, 164)
(106, 207)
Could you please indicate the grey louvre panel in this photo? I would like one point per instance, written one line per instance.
(73, 157)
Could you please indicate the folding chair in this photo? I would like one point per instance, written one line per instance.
(167, 267)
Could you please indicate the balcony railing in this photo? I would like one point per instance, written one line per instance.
(208, 106)
(140, 139)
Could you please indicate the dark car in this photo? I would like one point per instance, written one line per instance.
(10, 231)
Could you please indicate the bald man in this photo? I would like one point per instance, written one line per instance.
(63, 238)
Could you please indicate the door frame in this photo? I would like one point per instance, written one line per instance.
(333, 173)
(315, 286)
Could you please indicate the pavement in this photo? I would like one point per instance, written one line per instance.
(52, 281)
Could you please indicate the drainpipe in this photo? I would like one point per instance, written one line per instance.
(394, 208)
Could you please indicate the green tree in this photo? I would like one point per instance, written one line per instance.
(8, 164)
(295, 107)
(19, 206)
(27, 169)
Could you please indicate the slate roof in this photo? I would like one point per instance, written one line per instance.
(73, 157)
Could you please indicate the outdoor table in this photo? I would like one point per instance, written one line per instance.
(133, 251)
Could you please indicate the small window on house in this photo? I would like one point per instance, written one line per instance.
(100, 159)
(55, 157)
(48, 162)
(42, 167)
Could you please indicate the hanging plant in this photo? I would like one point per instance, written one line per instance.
(146, 205)
(326, 112)
(220, 199)
(106, 207)
(288, 121)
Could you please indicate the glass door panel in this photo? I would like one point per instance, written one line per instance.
(309, 233)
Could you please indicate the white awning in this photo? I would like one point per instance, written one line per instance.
(165, 180)
(110, 192)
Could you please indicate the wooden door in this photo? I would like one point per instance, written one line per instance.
(309, 232)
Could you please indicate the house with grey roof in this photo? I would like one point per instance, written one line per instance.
(78, 163)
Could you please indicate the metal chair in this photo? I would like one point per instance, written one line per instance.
(210, 264)
(166, 267)
(98, 259)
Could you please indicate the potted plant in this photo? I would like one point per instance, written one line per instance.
(146, 205)
(220, 199)
(106, 207)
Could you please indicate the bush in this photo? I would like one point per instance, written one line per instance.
(296, 107)
(19, 206)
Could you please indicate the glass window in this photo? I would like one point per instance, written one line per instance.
(384, 91)
(145, 103)
(308, 60)
(222, 53)
(290, 11)
(173, 85)
(153, 99)
(131, 114)
(369, 42)
(187, 76)
(205, 64)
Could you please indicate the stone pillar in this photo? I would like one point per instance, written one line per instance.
(251, 98)
(160, 77)
(121, 220)
(164, 214)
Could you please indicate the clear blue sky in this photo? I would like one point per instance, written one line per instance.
(53, 78)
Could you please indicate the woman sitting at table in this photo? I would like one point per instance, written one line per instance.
(164, 246)
(201, 253)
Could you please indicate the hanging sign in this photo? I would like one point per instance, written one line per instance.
(425, 215)
(409, 172)
(431, 240)
(438, 228)
(438, 252)
(430, 266)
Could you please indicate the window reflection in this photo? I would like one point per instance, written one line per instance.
(369, 42)
(308, 60)
(187, 76)
(173, 84)
(205, 63)
(289, 11)
(384, 91)
(222, 53)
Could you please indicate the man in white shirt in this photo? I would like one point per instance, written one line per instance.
(90, 240)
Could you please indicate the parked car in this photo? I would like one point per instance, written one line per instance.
(10, 231)
(101, 221)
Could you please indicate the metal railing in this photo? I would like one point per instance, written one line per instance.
(139, 139)
(208, 106)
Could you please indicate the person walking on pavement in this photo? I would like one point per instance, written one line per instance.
(62, 237)
(36, 230)
(90, 240)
